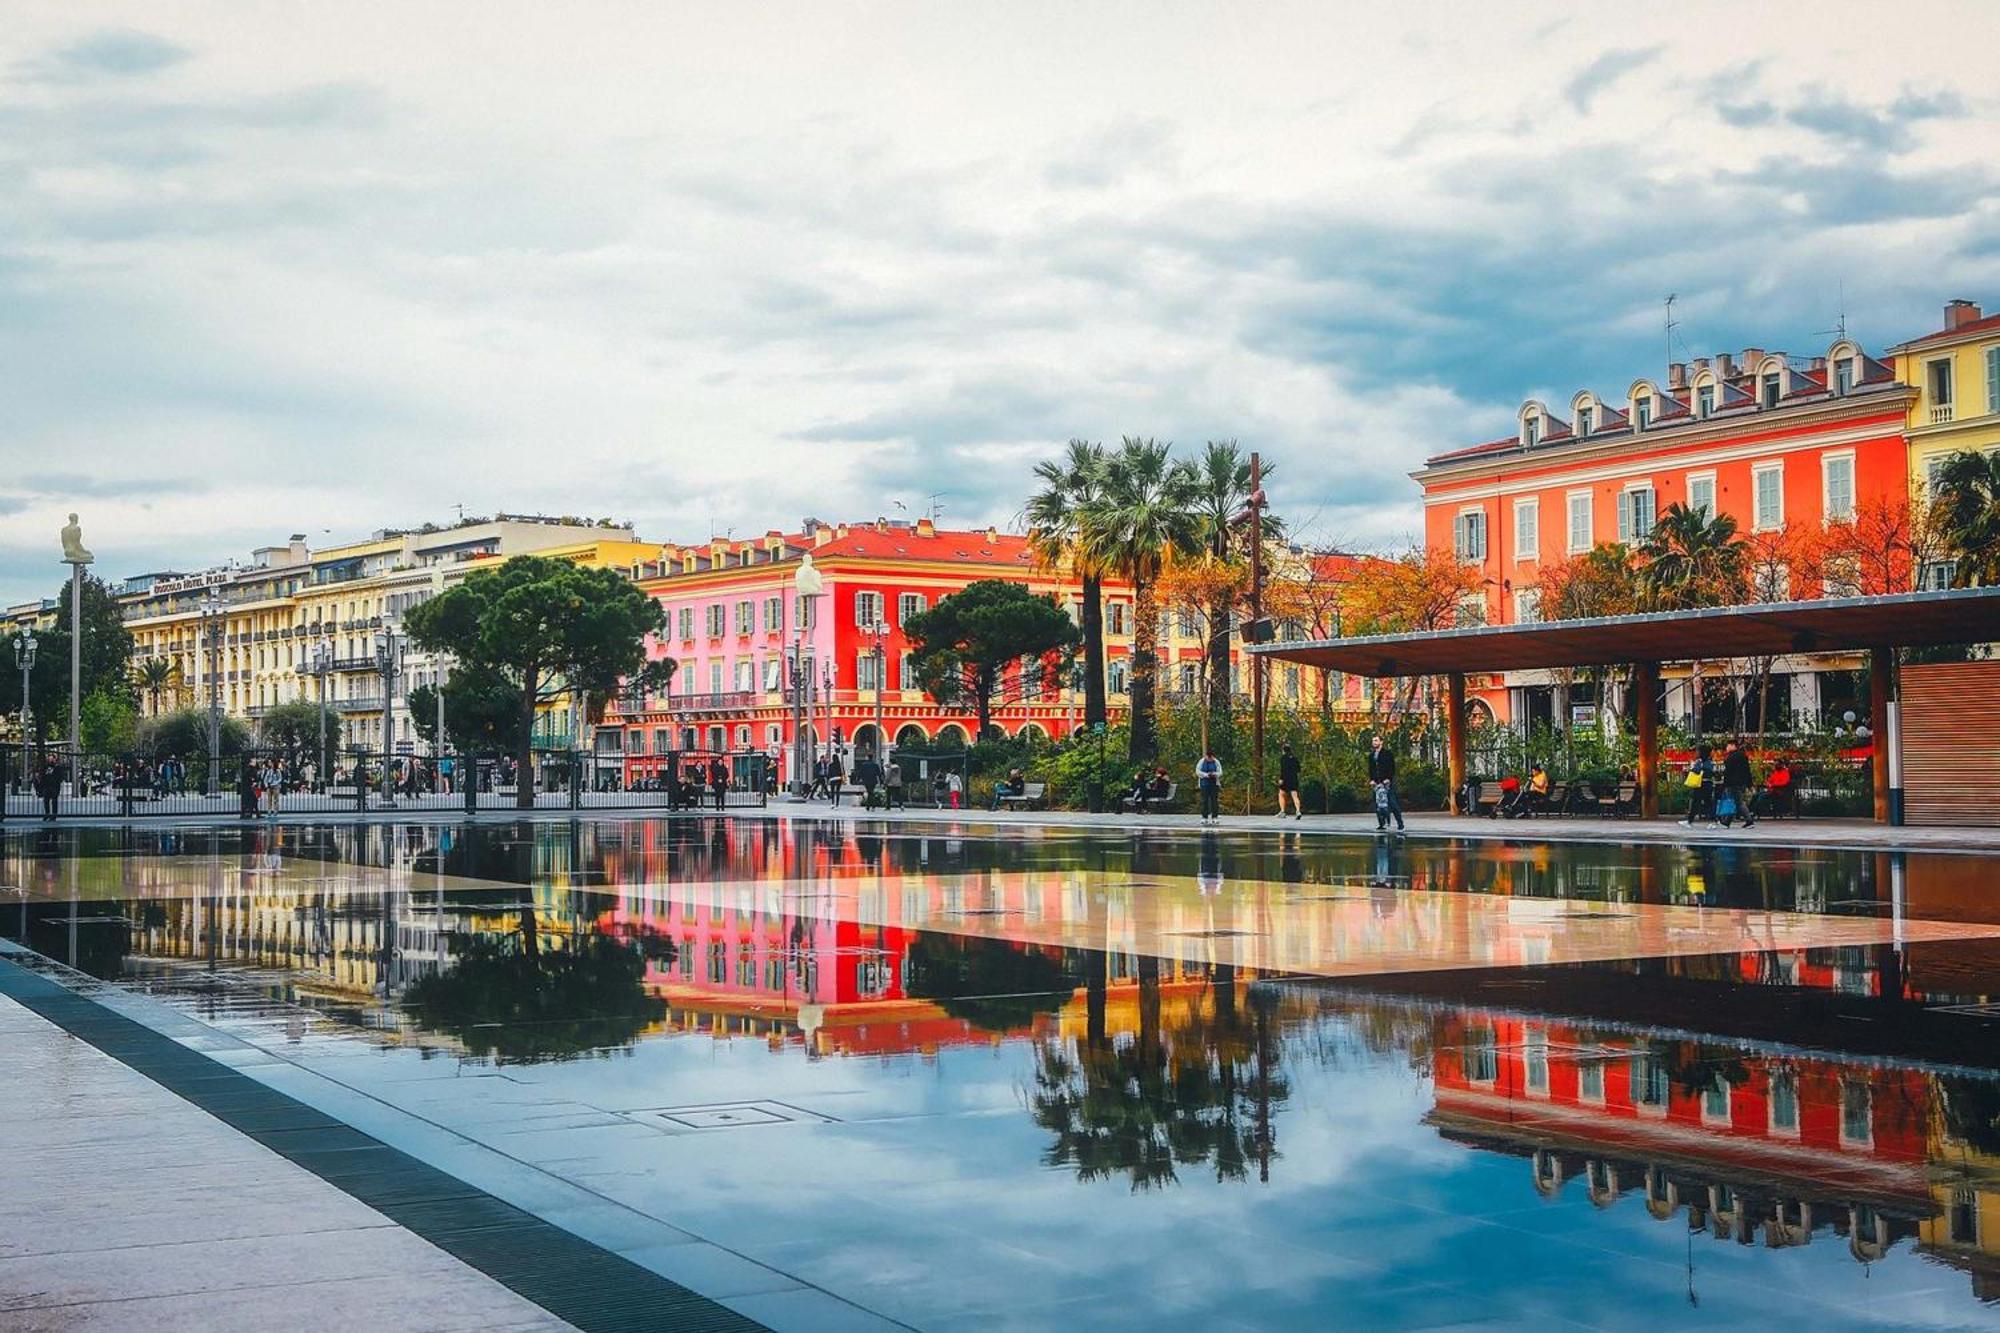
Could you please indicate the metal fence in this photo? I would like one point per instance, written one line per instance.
(51, 782)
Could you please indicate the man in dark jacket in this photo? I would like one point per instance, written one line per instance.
(1736, 782)
(1382, 775)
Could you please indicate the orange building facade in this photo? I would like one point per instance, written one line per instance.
(1775, 442)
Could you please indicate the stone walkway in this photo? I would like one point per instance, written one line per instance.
(1858, 834)
(124, 1207)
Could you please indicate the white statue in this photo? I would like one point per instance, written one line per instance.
(73, 548)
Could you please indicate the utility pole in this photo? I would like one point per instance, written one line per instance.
(212, 623)
(385, 658)
(322, 663)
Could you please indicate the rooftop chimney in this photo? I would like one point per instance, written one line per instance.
(1751, 356)
(1725, 366)
(1677, 375)
(1957, 314)
(926, 528)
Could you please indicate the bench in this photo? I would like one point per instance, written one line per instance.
(1029, 797)
(1153, 802)
(1486, 798)
(1624, 802)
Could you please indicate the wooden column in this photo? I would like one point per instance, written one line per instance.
(1646, 708)
(1454, 735)
(1881, 680)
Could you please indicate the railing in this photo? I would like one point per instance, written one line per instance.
(367, 703)
(1940, 413)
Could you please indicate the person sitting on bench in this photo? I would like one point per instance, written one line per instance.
(1014, 784)
(1534, 795)
(1154, 788)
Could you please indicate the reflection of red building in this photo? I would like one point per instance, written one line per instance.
(1747, 1141)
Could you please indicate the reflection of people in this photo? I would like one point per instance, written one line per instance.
(74, 552)
(1208, 873)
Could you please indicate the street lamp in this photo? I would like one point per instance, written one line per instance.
(212, 619)
(24, 660)
(806, 585)
(880, 630)
(322, 664)
(388, 658)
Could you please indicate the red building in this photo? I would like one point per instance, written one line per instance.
(1776, 442)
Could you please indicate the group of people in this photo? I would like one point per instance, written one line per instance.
(1156, 788)
(1725, 791)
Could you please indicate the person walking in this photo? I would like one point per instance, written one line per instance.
(1288, 783)
(48, 786)
(1208, 781)
(718, 782)
(246, 790)
(892, 786)
(1382, 777)
(868, 773)
(1737, 781)
(1700, 783)
(834, 777)
(954, 787)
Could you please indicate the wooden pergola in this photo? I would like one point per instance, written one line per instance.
(1876, 625)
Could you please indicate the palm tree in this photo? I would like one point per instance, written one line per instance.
(1222, 501)
(157, 676)
(1690, 560)
(1968, 499)
(1055, 533)
(1142, 516)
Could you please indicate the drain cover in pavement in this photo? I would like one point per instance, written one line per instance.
(727, 1115)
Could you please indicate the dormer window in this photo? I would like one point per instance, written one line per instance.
(1704, 400)
(1586, 420)
(1843, 375)
(1767, 388)
(1642, 412)
(1531, 432)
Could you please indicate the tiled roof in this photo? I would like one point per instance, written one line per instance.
(1987, 325)
(978, 547)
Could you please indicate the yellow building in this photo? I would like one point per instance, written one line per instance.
(294, 620)
(1956, 372)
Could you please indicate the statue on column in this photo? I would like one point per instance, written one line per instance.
(74, 552)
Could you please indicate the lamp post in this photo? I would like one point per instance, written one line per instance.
(806, 585)
(881, 632)
(212, 618)
(388, 658)
(322, 663)
(24, 661)
(76, 557)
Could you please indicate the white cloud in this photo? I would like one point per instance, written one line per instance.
(348, 266)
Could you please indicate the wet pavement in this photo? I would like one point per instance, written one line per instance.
(867, 1075)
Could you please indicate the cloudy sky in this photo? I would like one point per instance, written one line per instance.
(329, 267)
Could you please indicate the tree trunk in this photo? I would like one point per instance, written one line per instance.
(1145, 672)
(1093, 651)
(983, 684)
(1325, 698)
(524, 751)
(1220, 697)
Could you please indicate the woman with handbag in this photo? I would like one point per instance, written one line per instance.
(1701, 787)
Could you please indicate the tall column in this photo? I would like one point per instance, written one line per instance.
(1646, 707)
(1454, 736)
(1881, 683)
(75, 670)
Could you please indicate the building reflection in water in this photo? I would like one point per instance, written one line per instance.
(557, 940)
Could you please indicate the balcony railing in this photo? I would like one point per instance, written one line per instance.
(366, 703)
(1940, 413)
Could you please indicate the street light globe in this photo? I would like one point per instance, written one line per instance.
(807, 581)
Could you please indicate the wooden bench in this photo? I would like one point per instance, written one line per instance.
(1624, 802)
(1486, 798)
(1028, 798)
(1154, 802)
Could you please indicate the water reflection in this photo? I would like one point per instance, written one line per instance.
(1779, 1098)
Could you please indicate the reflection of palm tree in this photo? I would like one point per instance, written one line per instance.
(992, 984)
(1202, 1094)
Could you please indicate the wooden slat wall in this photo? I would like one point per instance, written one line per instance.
(1951, 743)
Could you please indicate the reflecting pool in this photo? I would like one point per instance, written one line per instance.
(1007, 1077)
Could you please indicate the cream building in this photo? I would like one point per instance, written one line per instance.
(295, 620)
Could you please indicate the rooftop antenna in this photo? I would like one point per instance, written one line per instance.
(1672, 324)
(937, 506)
(1839, 329)
(461, 512)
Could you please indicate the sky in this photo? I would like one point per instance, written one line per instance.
(327, 268)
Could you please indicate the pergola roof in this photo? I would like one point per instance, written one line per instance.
(1906, 620)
